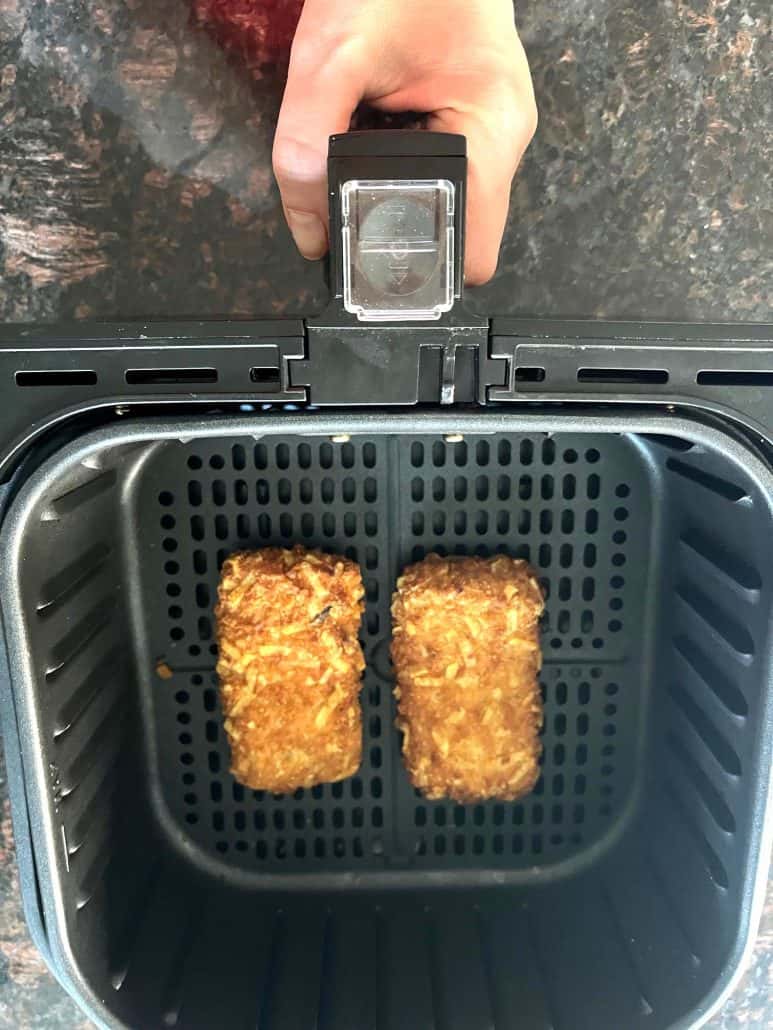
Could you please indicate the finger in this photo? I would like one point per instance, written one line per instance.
(497, 134)
(324, 86)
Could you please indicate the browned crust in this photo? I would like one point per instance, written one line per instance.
(466, 653)
(290, 667)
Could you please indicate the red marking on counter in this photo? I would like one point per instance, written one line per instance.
(257, 32)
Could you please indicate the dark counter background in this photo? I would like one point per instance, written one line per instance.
(135, 181)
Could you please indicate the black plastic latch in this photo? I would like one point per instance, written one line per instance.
(398, 365)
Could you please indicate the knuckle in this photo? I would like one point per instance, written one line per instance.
(518, 106)
(327, 48)
(305, 51)
(519, 123)
(521, 110)
(295, 159)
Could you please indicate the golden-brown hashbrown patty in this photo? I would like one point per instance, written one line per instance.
(465, 647)
(290, 666)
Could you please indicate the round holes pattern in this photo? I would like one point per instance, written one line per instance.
(558, 502)
(245, 495)
(337, 821)
(168, 524)
(575, 798)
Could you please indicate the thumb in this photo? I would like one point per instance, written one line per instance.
(324, 86)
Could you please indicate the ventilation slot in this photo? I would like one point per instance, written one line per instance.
(84, 377)
(624, 942)
(708, 733)
(525, 374)
(716, 378)
(722, 688)
(686, 818)
(622, 375)
(712, 798)
(267, 378)
(717, 555)
(69, 502)
(93, 812)
(65, 584)
(736, 635)
(169, 376)
(93, 876)
(730, 491)
(99, 747)
(173, 991)
(662, 874)
(137, 901)
(108, 676)
(79, 637)
(671, 443)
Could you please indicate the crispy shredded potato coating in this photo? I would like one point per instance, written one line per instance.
(290, 667)
(466, 653)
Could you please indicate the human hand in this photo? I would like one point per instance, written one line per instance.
(461, 61)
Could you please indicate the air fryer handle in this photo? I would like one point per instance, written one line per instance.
(397, 235)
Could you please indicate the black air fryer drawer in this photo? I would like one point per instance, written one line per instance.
(619, 894)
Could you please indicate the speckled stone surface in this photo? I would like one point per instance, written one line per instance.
(135, 181)
(135, 166)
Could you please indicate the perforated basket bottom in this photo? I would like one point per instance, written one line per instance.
(577, 506)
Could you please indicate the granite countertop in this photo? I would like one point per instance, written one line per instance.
(135, 181)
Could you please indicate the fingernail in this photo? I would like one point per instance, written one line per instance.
(308, 232)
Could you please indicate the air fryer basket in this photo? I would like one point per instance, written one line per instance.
(620, 894)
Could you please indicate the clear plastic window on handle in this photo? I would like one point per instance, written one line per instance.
(398, 248)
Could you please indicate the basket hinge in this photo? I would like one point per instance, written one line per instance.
(398, 364)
